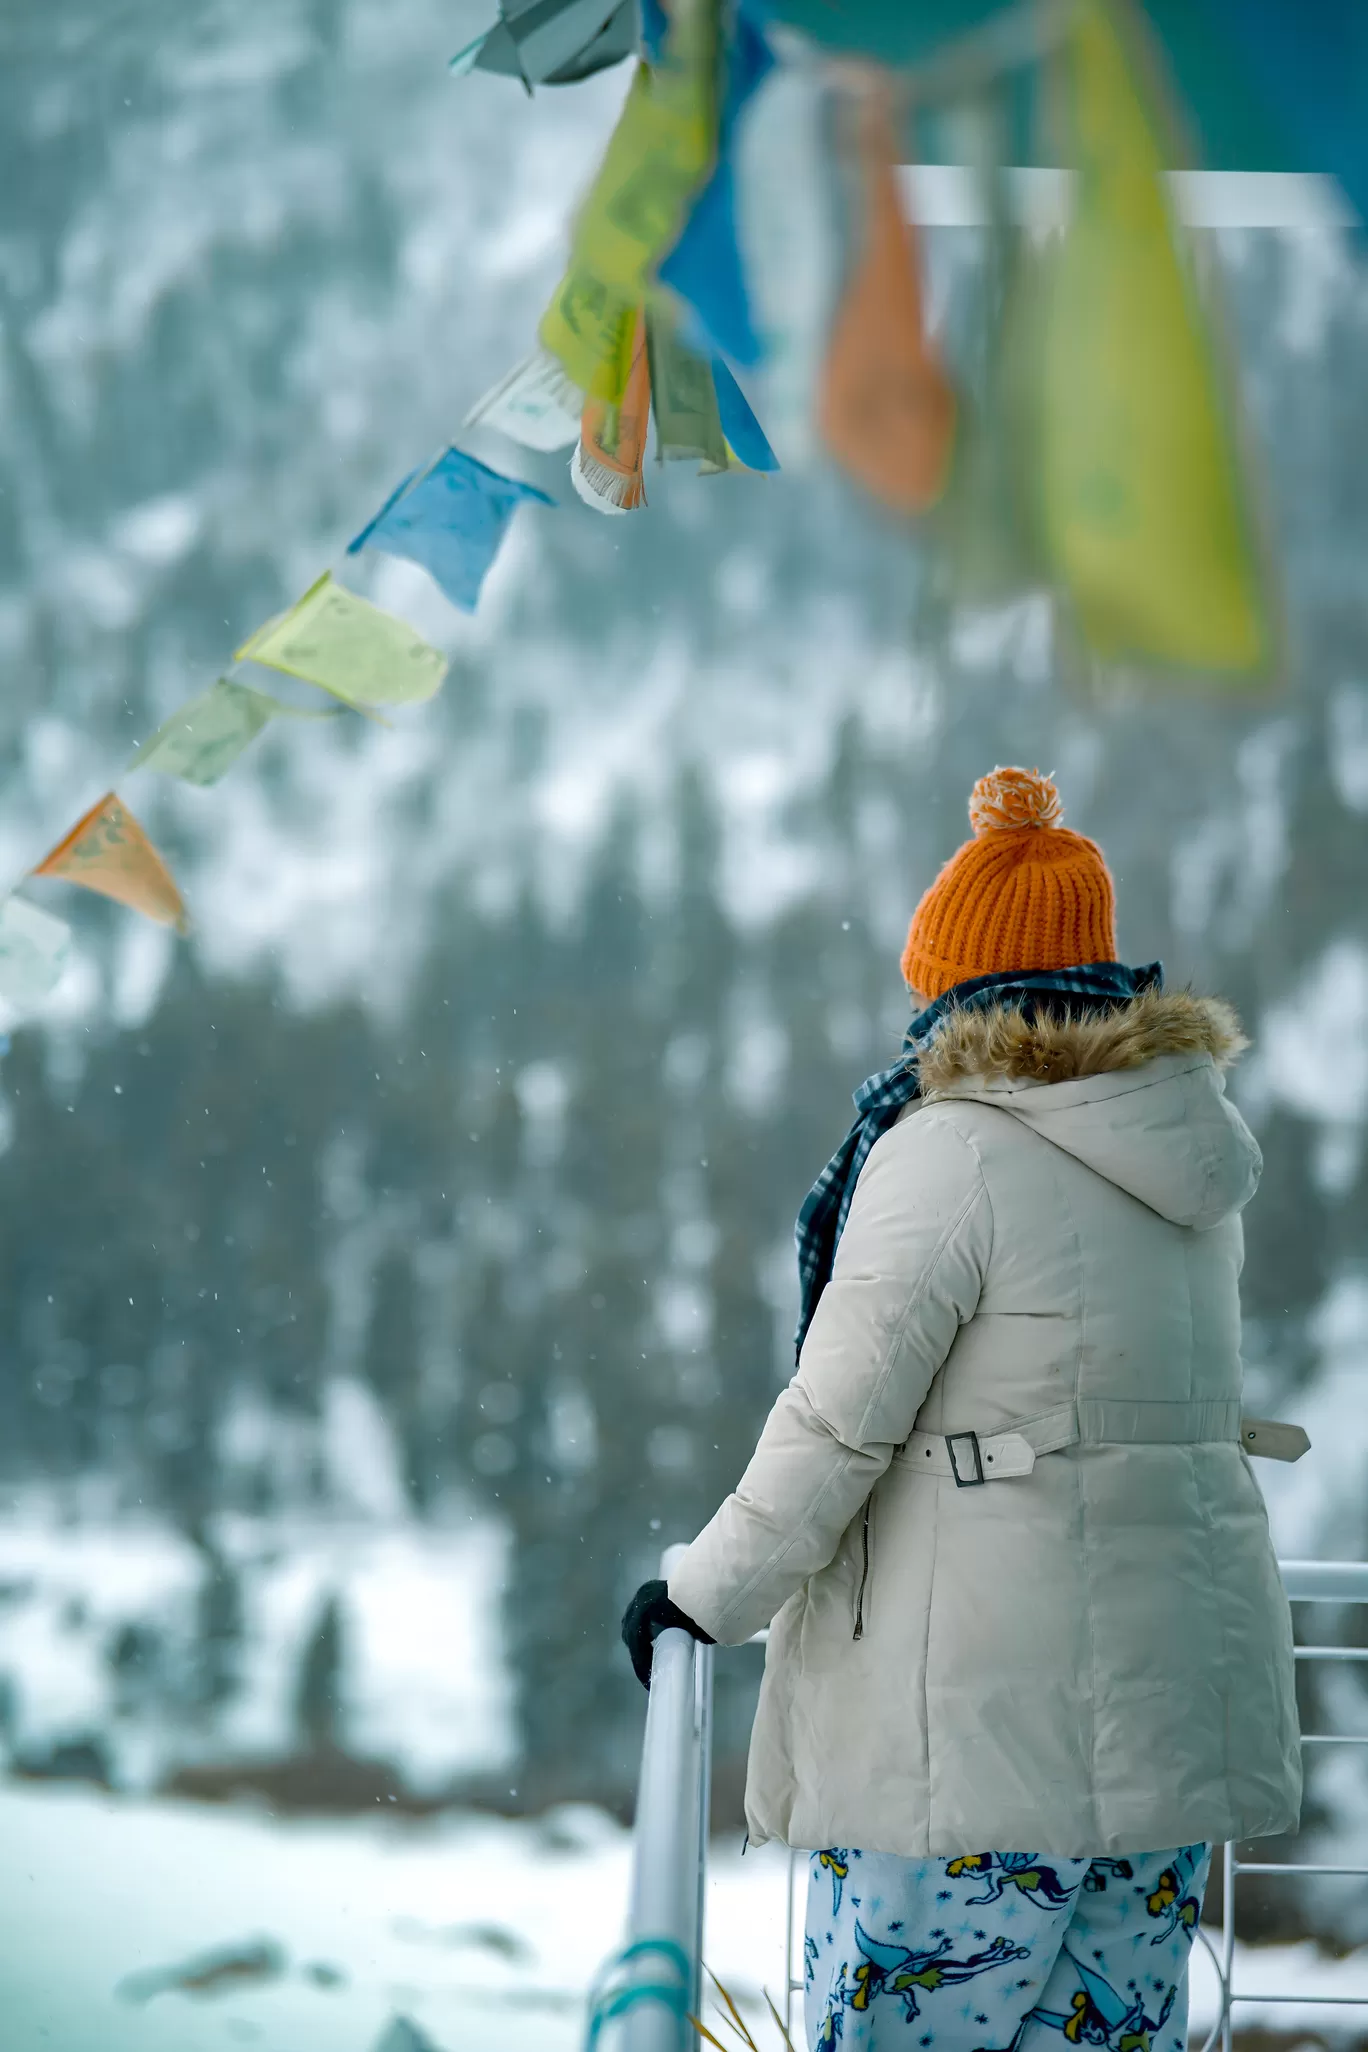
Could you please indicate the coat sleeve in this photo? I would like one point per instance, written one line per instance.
(908, 1272)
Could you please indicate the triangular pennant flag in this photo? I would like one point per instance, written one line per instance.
(33, 951)
(607, 466)
(659, 152)
(451, 520)
(535, 405)
(107, 851)
(552, 42)
(887, 411)
(704, 268)
(682, 399)
(1139, 486)
(349, 647)
(205, 738)
(469, 55)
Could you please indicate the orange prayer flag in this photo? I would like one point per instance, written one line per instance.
(607, 465)
(886, 408)
(108, 851)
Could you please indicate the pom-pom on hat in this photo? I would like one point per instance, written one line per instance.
(1025, 893)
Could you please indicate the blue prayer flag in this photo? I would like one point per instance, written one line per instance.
(739, 424)
(704, 267)
(655, 26)
(451, 519)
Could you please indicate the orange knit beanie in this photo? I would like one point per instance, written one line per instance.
(1025, 893)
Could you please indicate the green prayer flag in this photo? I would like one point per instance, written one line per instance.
(684, 399)
(1142, 514)
(659, 154)
(349, 647)
(205, 738)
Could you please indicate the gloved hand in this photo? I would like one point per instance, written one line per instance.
(649, 1613)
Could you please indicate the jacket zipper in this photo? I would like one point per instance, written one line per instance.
(858, 1632)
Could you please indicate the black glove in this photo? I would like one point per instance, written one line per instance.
(650, 1613)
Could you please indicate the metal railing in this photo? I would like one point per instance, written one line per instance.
(650, 1989)
(1306, 1581)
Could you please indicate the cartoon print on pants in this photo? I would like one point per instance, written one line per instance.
(833, 2022)
(836, 1860)
(1099, 2016)
(905, 1931)
(1171, 1898)
(896, 1970)
(1021, 1871)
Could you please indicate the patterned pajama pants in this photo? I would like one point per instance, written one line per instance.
(1000, 1952)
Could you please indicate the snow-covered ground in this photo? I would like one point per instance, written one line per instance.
(481, 1931)
(99, 1618)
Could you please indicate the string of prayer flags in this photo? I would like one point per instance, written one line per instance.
(886, 409)
(34, 949)
(1139, 486)
(345, 645)
(683, 399)
(657, 156)
(107, 851)
(607, 467)
(205, 738)
(450, 518)
(704, 268)
(786, 225)
(552, 42)
(535, 405)
(744, 434)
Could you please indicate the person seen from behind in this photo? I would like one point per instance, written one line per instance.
(1029, 1654)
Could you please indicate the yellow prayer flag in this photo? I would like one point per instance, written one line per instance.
(1138, 477)
(659, 154)
(349, 647)
(107, 851)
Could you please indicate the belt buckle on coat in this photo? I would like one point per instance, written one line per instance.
(965, 1481)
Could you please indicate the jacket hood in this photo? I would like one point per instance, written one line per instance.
(1136, 1093)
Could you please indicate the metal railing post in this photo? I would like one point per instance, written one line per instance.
(1227, 1936)
(649, 1989)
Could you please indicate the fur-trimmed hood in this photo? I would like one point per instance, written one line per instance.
(1136, 1093)
(1062, 1050)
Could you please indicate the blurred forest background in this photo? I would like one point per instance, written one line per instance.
(443, 1182)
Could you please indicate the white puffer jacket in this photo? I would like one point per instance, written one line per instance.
(1091, 1652)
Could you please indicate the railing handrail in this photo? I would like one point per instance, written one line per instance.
(1325, 1581)
(651, 1988)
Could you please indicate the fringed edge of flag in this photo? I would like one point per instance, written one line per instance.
(605, 489)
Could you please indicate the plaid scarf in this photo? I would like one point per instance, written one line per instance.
(1095, 987)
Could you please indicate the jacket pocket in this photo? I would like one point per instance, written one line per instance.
(862, 1590)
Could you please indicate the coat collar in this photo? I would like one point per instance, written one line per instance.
(1002, 1044)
